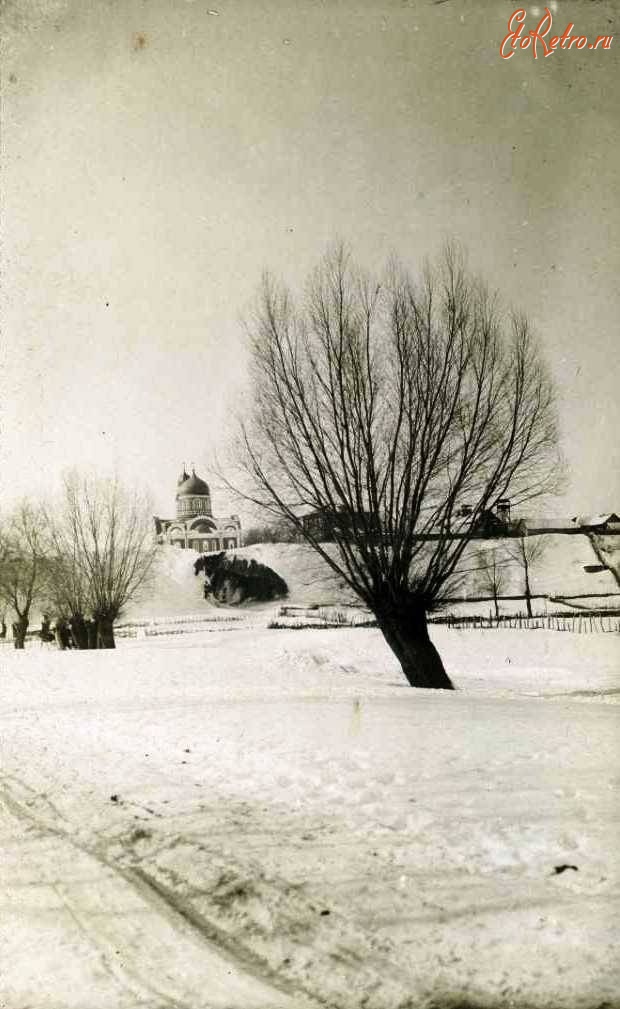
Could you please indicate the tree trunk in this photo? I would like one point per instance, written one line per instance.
(528, 591)
(91, 631)
(406, 632)
(20, 629)
(105, 633)
(79, 632)
(496, 606)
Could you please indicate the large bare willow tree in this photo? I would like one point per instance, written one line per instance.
(388, 406)
(101, 551)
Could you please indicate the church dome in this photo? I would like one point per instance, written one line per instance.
(193, 486)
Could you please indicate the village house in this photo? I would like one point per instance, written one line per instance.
(498, 521)
(608, 523)
(326, 523)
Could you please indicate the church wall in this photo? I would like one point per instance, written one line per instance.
(208, 534)
(189, 507)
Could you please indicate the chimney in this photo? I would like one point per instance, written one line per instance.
(503, 509)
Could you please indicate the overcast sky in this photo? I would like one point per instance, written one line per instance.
(158, 154)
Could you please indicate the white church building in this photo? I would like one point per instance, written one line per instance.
(195, 527)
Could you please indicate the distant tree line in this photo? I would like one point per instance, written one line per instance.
(276, 532)
(78, 563)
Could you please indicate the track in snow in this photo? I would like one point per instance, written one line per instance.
(111, 935)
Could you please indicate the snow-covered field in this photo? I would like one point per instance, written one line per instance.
(265, 818)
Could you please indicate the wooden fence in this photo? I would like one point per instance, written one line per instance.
(164, 626)
(300, 617)
(575, 623)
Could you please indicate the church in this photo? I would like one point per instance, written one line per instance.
(195, 528)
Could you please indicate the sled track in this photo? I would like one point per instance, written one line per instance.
(183, 960)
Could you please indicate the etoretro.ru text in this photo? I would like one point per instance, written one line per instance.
(540, 40)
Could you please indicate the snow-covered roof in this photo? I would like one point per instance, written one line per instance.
(545, 522)
(597, 520)
(559, 523)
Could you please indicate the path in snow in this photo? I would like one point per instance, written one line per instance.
(287, 793)
(76, 930)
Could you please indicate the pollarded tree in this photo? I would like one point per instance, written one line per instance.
(387, 406)
(67, 590)
(526, 551)
(23, 567)
(104, 549)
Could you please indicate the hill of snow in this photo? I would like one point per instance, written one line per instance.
(560, 571)
(174, 589)
(309, 578)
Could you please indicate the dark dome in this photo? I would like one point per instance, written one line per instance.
(193, 485)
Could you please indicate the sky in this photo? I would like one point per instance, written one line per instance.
(159, 154)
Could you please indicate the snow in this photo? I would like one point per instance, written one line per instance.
(175, 590)
(253, 817)
(609, 547)
(309, 578)
(559, 571)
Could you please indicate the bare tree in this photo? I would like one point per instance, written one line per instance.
(526, 551)
(389, 406)
(277, 532)
(492, 574)
(104, 550)
(67, 591)
(23, 568)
